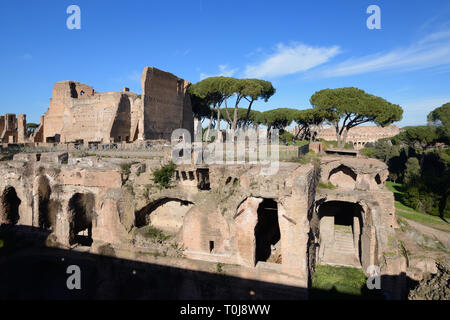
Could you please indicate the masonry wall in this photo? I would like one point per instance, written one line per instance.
(77, 112)
(221, 224)
(166, 104)
(12, 128)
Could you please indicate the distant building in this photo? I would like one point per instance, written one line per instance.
(12, 129)
(359, 135)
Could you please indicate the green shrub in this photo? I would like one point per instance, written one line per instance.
(368, 152)
(333, 144)
(163, 176)
(286, 137)
(326, 186)
(156, 234)
(300, 143)
(126, 167)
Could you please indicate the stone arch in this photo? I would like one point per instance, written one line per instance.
(45, 208)
(340, 231)
(9, 206)
(81, 216)
(166, 214)
(267, 230)
(343, 176)
(257, 231)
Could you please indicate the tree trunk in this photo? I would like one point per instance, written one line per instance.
(196, 124)
(311, 133)
(344, 138)
(298, 132)
(248, 113)
(235, 119)
(209, 127)
(218, 119)
(238, 99)
(338, 136)
(228, 113)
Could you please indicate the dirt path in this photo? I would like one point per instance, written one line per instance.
(432, 231)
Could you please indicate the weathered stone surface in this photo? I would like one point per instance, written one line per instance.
(166, 104)
(12, 129)
(354, 173)
(77, 113)
(359, 136)
(222, 214)
(433, 286)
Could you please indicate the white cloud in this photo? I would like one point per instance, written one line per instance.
(223, 71)
(291, 59)
(431, 51)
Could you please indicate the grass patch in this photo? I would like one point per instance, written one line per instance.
(333, 144)
(300, 143)
(338, 280)
(410, 213)
(154, 233)
(328, 185)
(345, 229)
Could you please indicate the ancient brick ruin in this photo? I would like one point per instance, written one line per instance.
(79, 114)
(276, 228)
(273, 229)
(12, 128)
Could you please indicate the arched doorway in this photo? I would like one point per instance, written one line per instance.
(267, 232)
(46, 218)
(81, 211)
(340, 230)
(166, 214)
(343, 177)
(9, 206)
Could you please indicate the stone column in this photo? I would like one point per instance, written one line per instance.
(356, 234)
(245, 231)
(21, 128)
(326, 234)
(62, 227)
(294, 228)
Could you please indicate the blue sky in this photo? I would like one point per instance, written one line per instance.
(301, 46)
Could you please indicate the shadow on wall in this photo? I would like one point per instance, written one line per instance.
(41, 273)
(9, 206)
(81, 207)
(267, 230)
(142, 216)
